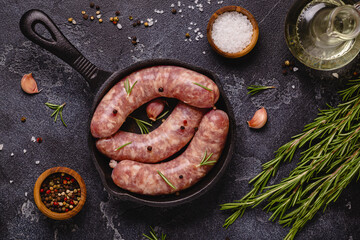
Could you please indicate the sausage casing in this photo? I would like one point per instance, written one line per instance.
(167, 139)
(150, 83)
(183, 171)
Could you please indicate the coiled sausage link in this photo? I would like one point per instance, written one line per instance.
(183, 171)
(153, 82)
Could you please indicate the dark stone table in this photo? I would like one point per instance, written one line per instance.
(293, 103)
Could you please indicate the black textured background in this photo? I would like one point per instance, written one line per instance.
(290, 106)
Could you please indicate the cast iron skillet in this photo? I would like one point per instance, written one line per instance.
(100, 82)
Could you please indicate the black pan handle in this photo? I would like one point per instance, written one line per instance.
(61, 47)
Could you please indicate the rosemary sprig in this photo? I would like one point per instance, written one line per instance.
(122, 146)
(205, 160)
(166, 180)
(58, 110)
(127, 87)
(162, 115)
(153, 235)
(142, 125)
(254, 89)
(198, 84)
(324, 170)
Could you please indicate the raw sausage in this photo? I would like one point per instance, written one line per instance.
(183, 171)
(167, 139)
(150, 83)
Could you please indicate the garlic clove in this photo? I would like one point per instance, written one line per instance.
(154, 108)
(28, 84)
(259, 119)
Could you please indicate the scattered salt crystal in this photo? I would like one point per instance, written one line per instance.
(180, 10)
(37, 162)
(33, 139)
(1, 146)
(220, 2)
(191, 23)
(204, 52)
(141, 21)
(179, 3)
(189, 28)
(98, 16)
(11, 181)
(24, 151)
(232, 32)
(336, 75)
(172, 5)
(12, 154)
(26, 194)
(348, 205)
(293, 86)
(196, 30)
(181, 15)
(295, 69)
(119, 26)
(73, 22)
(129, 38)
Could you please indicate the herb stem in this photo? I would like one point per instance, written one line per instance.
(166, 180)
(254, 89)
(122, 146)
(198, 84)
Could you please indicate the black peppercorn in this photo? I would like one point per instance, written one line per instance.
(182, 127)
(134, 38)
(115, 111)
(92, 4)
(181, 176)
(117, 13)
(85, 16)
(149, 148)
(173, 11)
(161, 89)
(138, 22)
(134, 24)
(97, 7)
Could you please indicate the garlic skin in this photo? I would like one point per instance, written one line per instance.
(259, 119)
(28, 84)
(154, 108)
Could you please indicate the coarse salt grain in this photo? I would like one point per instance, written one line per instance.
(12, 154)
(232, 32)
(11, 181)
(33, 139)
(24, 151)
(37, 162)
(1, 146)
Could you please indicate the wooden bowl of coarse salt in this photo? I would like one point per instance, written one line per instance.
(232, 31)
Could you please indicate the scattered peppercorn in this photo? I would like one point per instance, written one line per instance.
(284, 72)
(185, 122)
(161, 89)
(130, 17)
(85, 16)
(149, 148)
(117, 13)
(92, 4)
(92, 18)
(133, 42)
(115, 111)
(146, 24)
(70, 19)
(182, 127)
(173, 11)
(97, 7)
(138, 22)
(116, 19)
(98, 12)
(187, 35)
(134, 38)
(100, 20)
(23, 119)
(64, 201)
(83, 12)
(111, 19)
(134, 24)
(39, 140)
(181, 176)
(287, 63)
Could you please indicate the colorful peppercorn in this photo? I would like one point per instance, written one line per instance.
(23, 119)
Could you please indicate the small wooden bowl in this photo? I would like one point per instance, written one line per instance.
(47, 212)
(254, 38)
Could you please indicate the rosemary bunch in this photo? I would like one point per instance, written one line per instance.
(330, 162)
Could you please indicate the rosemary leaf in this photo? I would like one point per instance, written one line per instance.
(329, 163)
(122, 146)
(142, 125)
(127, 87)
(162, 115)
(205, 160)
(254, 89)
(154, 236)
(166, 180)
(198, 84)
(58, 110)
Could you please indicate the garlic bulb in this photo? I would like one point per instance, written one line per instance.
(28, 84)
(154, 108)
(259, 119)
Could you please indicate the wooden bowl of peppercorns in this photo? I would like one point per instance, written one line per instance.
(60, 193)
